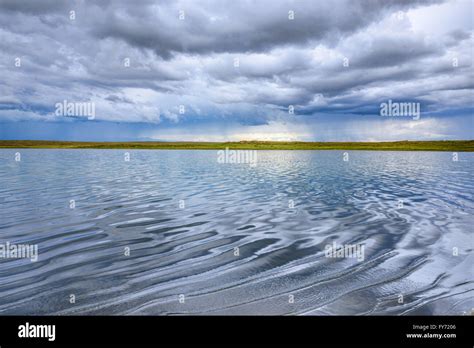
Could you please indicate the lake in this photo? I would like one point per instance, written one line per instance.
(155, 232)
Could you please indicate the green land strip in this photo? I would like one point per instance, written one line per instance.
(455, 145)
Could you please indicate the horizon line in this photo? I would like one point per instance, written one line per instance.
(404, 145)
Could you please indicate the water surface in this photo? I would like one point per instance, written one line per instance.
(249, 240)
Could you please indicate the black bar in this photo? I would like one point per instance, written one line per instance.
(261, 330)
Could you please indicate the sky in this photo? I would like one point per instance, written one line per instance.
(231, 70)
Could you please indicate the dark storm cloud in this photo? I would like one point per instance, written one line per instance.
(138, 60)
(239, 26)
(395, 51)
(33, 7)
(215, 26)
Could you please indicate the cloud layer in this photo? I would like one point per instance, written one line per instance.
(232, 69)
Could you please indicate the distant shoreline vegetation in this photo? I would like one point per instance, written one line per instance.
(443, 145)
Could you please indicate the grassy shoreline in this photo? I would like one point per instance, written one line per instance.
(455, 145)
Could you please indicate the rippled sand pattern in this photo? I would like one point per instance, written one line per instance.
(237, 247)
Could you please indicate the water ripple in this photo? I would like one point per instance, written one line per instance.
(174, 232)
